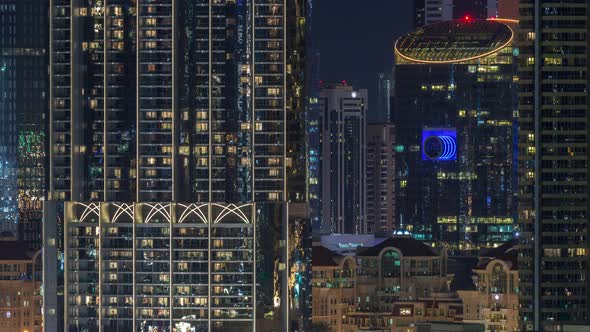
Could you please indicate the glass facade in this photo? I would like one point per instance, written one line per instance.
(465, 199)
(23, 116)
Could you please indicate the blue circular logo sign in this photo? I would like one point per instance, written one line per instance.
(440, 147)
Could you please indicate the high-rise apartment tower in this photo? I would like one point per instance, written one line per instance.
(553, 208)
(177, 148)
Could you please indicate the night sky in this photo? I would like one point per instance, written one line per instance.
(355, 38)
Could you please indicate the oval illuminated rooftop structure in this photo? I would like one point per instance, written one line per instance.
(454, 41)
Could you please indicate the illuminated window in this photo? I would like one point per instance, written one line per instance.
(93, 103)
(202, 126)
(273, 92)
(117, 23)
(405, 311)
(530, 35)
(553, 61)
(201, 150)
(118, 34)
(117, 10)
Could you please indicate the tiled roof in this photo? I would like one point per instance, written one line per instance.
(406, 244)
(322, 256)
(505, 252)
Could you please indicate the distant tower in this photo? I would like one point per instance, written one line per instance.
(380, 179)
(343, 113)
(382, 112)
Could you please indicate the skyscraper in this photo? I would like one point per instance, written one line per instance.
(432, 11)
(177, 132)
(313, 139)
(23, 116)
(381, 179)
(553, 167)
(454, 118)
(342, 124)
(383, 110)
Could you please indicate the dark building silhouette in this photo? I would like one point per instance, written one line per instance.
(454, 114)
(23, 116)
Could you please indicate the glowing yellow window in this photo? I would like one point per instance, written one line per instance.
(201, 115)
(202, 126)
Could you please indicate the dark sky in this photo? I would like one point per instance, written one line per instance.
(355, 38)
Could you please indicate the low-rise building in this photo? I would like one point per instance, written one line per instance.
(495, 298)
(400, 282)
(385, 287)
(333, 287)
(20, 298)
